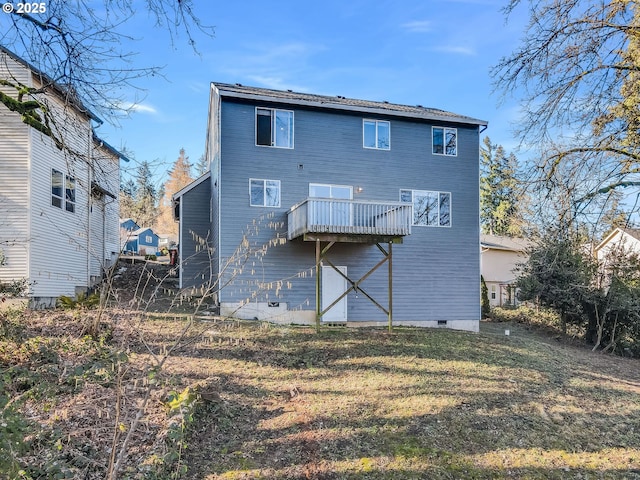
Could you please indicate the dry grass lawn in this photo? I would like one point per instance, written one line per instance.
(433, 404)
(286, 402)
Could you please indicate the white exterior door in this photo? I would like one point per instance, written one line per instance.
(334, 285)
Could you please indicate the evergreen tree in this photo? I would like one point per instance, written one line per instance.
(145, 205)
(127, 202)
(179, 177)
(202, 166)
(500, 195)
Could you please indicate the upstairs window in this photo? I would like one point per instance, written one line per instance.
(430, 209)
(264, 193)
(63, 191)
(376, 134)
(57, 180)
(445, 141)
(274, 128)
(70, 194)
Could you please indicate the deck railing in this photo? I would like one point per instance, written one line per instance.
(351, 217)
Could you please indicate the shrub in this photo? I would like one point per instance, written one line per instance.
(82, 300)
(16, 288)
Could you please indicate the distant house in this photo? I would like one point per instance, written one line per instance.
(500, 257)
(623, 239)
(128, 225)
(167, 240)
(328, 209)
(59, 188)
(142, 241)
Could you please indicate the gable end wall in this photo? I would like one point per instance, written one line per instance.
(436, 270)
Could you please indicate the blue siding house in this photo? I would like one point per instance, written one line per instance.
(142, 242)
(128, 225)
(330, 209)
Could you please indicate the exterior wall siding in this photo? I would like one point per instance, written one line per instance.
(213, 155)
(195, 238)
(104, 245)
(14, 182)
(436, 270)
(57, 250)
(60, 259)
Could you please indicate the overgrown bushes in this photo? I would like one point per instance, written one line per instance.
(599, 298)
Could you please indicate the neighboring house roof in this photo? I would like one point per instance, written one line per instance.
(342, 103)
(47, 80)
(497, 242)
(140, 231)
(101, 143)
(123, 221)
(632, 234)
(192, 185)
(68, 95)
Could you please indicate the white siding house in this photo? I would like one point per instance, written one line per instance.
(499, 258)
(621, 239)
(58, 193)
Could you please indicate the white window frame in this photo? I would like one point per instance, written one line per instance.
(429, 192)
(67, 199)
(444, 141)
(274, 143)
(264, 192)
(376, 124)
(54, 197)
(70, 204)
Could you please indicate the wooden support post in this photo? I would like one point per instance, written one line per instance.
(390, 260)
(318, 285)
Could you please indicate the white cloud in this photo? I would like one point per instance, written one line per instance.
(418, 26)
(138, 107)
(457, 49)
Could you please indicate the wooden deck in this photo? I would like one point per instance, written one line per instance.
(349, 221)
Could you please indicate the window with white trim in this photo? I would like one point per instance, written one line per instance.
(274, 128)
(70, 194)
(376, 134)
(63, 191)
(430, 209)
(264, 193)
(445, 141)
(57, 181)
(148, 239)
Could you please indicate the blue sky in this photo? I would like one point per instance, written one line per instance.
(435, 53)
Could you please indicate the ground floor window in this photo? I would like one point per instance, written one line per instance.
(264, 193)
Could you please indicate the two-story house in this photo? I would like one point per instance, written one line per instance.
(330, 209)
(59, 184)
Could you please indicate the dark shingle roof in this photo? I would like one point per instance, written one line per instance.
(342, 103)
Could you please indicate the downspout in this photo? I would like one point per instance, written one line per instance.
(89, 200)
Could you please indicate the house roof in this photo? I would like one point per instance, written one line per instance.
(101, 143)
(634, 233)
(497, 242)
(142, 230)
(239, 91)
(193, 184)
(60, 89)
